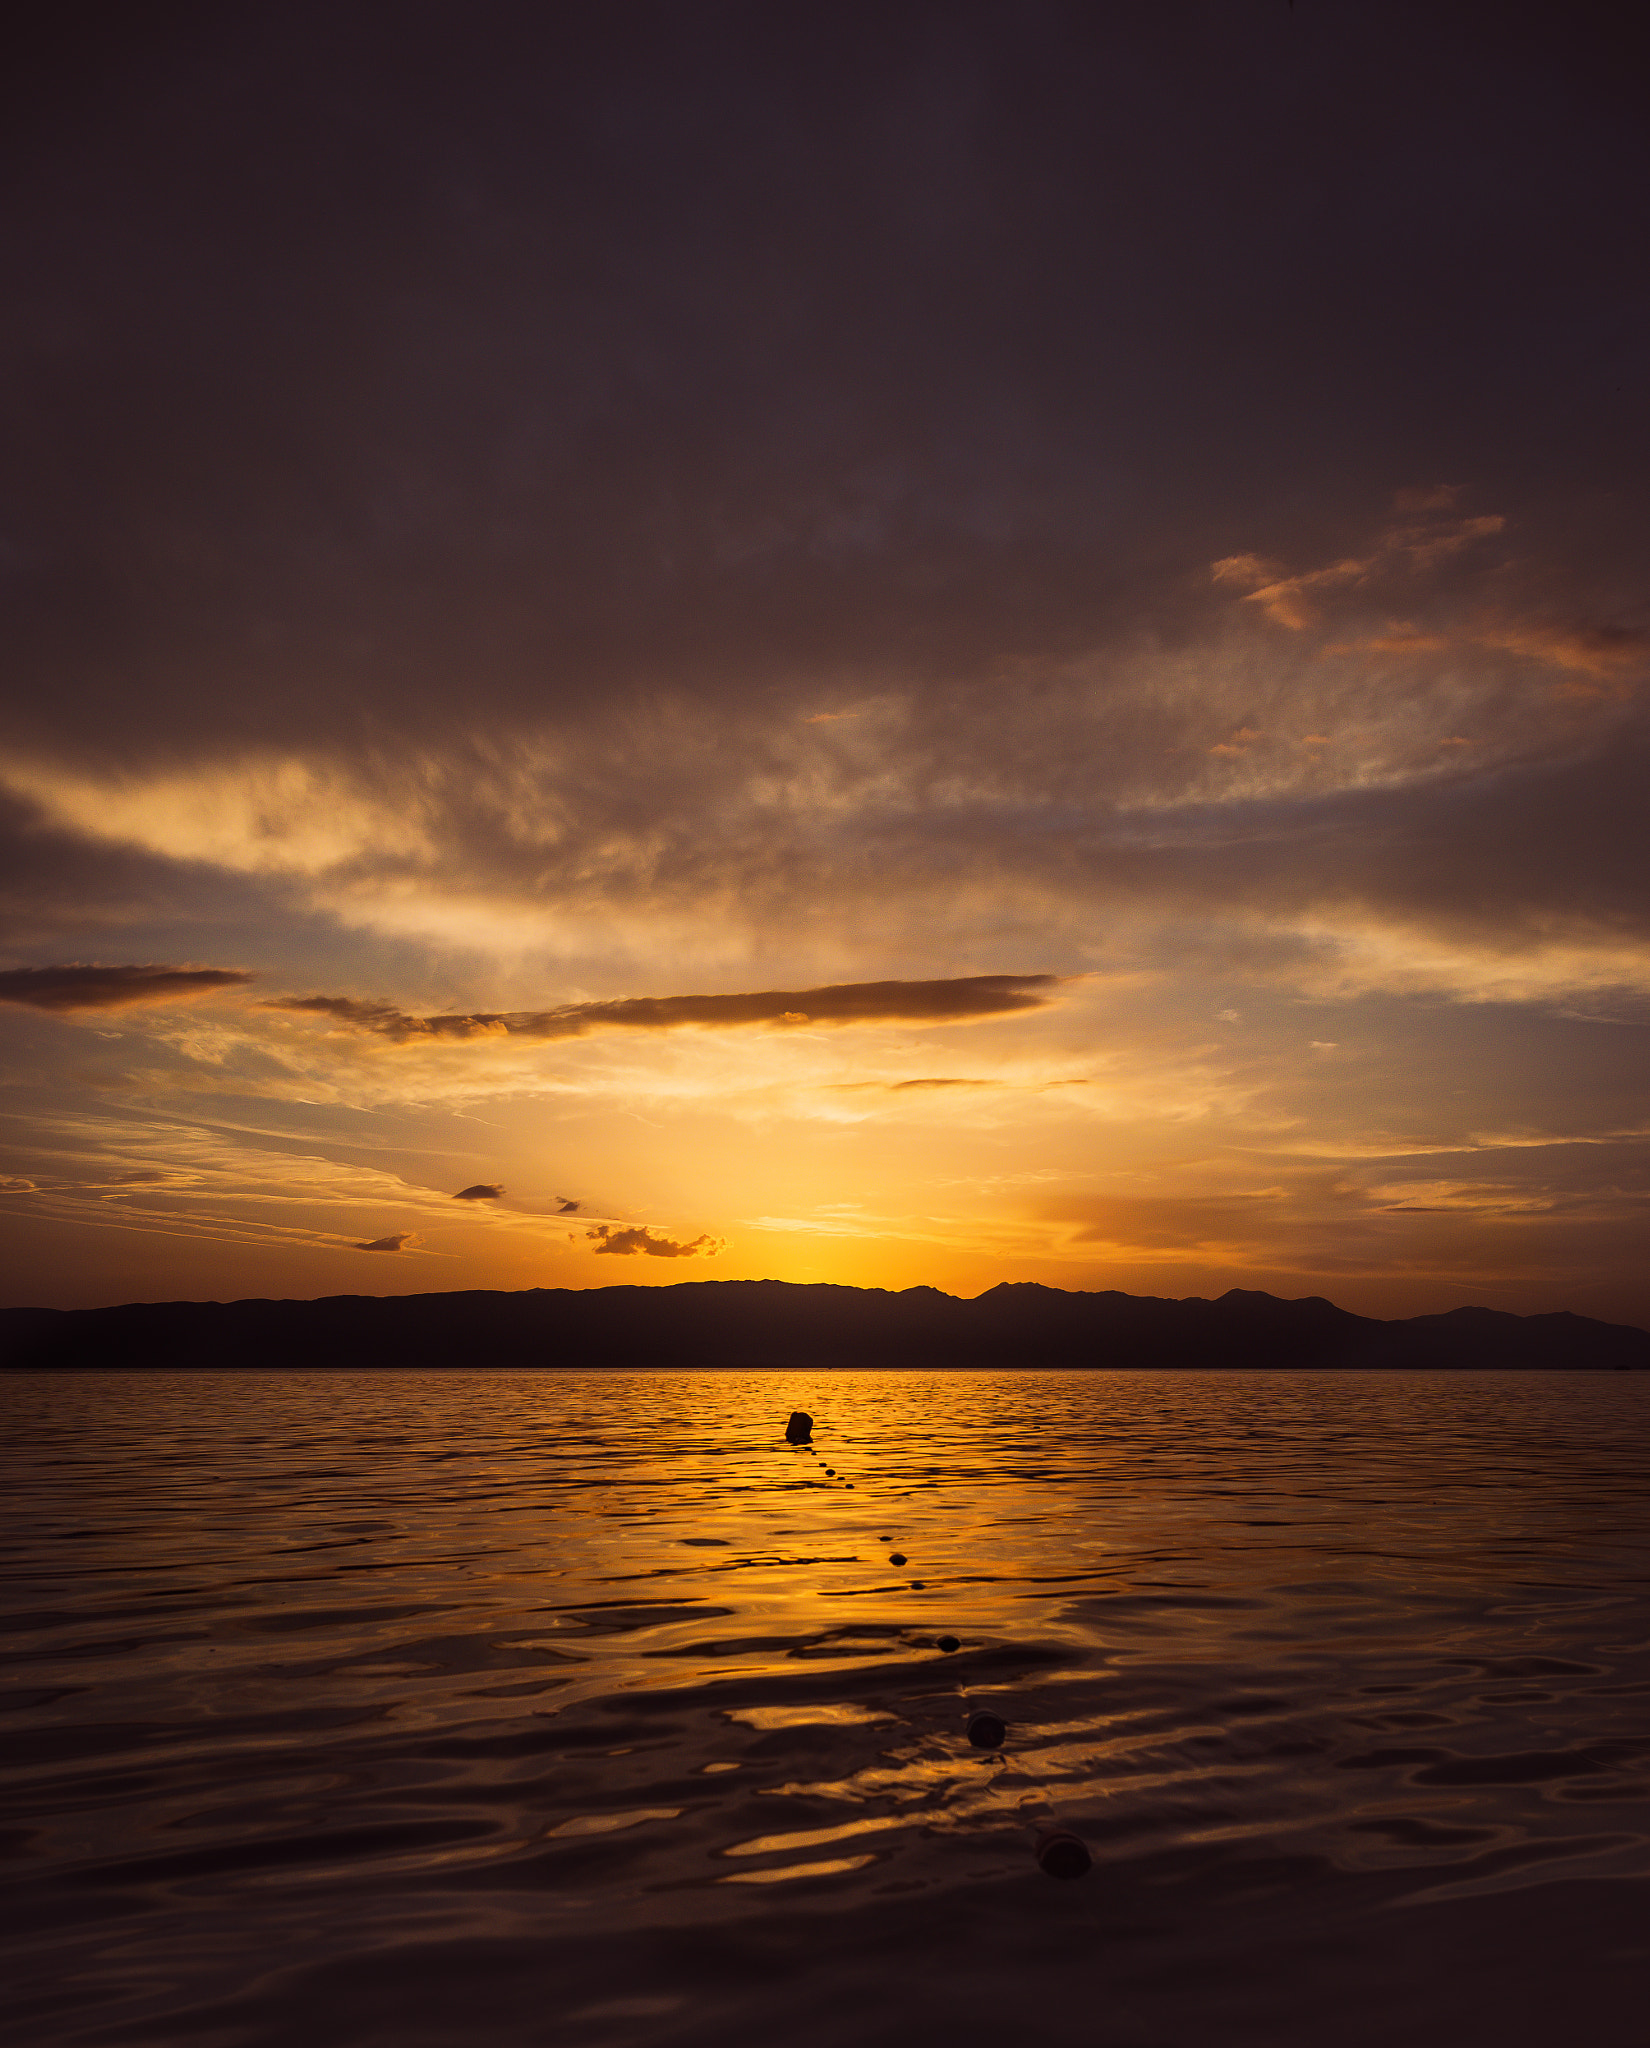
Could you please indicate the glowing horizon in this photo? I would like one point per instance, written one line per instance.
(839, 697)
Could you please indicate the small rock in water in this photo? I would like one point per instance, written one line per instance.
(948, 1643)
(987, 1730)
(1062, 1854)
(830, 1471)
(917, 1585)
(799, 1428)
(897, 1558)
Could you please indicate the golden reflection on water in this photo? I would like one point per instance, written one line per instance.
(830, 1867)
(452, 1633)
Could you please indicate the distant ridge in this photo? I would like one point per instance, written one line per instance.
(767, 1323)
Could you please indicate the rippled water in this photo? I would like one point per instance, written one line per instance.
(579, 1707)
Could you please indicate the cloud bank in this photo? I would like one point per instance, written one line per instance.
(875, 1002)
(111, 988)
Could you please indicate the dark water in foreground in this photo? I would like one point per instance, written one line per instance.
(579, 1708)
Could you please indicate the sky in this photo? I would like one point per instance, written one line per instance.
(923, 644)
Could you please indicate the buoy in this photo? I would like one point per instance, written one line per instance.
(1062, 1854)
(799, 1428)
(948, 1643)
(987, 1730)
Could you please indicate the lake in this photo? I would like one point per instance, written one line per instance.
(531, 1707)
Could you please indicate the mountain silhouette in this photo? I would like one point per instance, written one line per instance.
(769, 1323)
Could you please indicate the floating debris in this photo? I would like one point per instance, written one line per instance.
(1062, 1854)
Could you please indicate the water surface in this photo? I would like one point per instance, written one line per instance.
(579, 1707)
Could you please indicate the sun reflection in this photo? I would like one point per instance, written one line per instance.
(781, 1875)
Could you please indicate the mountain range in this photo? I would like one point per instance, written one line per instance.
(761, 1324)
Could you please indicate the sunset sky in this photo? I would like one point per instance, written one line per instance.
(927, 643)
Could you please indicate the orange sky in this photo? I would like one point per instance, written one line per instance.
(542, 570)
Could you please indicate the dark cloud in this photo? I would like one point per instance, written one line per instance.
(627, 1243)
(583, 351)
(483, 1191)
(925, 362)
(366, 1015)
(567, 1207)
(864, 1002)
(395, 1243)
(110, 988)
(1511, 858)
(62, 891)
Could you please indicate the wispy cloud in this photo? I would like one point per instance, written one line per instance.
(1292, 600)
(268, 812)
